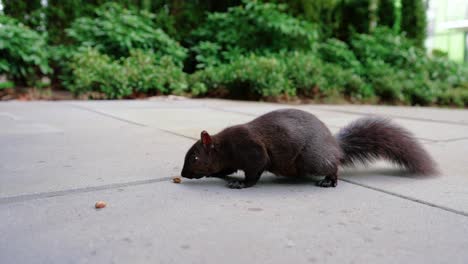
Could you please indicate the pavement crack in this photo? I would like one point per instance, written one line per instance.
(454, 139)
(393, 116)
(108, 115)
(441, 207)
(231, 111)
(43, 195)
(177, 134)
(131, 122)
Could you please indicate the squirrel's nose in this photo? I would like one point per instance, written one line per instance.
(186, 174)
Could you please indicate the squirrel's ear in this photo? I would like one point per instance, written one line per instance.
(206, 138)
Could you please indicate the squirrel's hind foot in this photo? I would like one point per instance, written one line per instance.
(328, 181)
(236, 184)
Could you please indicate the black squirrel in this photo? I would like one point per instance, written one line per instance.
(294, 143)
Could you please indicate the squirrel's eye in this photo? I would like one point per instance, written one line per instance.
(195, 158)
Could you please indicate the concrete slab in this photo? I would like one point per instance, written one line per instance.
(125, 152)
(51, 163)
(188, 122)
(58, 115)
(74, 148)
(204, 222)
(447, 190)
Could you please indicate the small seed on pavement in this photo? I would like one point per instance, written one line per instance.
(177, 180)
(100, 204)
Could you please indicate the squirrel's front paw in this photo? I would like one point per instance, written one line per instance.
(236, 184)
(327, 182)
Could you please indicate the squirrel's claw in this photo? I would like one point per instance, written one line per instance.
(236, 184)
(327, 182)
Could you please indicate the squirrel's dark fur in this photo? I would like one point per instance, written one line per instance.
(294, 143)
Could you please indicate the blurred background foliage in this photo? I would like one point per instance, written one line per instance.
(324, 50)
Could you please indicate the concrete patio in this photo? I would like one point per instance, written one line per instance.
(58, 158)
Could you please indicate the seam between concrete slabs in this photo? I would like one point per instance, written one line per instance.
(107, 115)
(42, 195)
(45, 195)
(110, 186)
(448, 209)
(394, 116)
(230, 111)
(127, 121)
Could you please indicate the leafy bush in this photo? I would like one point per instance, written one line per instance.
(247, 75)
(385, 81)
(456, 97)
(399, 86)
(273, 75)
(59, 59)
(445, 70)
(314, 77)
(6, 85)
(254, 27)
(116, 30)
(23, 53)
(399, 72)
(338, 52)
(140, 72)
(384, 45)
(207, 54)
(92, 71)
(149, 73)
(305, 72)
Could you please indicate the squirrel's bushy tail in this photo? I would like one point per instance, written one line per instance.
(368, 139)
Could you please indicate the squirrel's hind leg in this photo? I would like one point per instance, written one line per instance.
(320, 163)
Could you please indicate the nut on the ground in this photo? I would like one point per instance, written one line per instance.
(177, 180)
(100, 204)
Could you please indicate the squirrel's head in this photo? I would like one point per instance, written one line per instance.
(202, 159)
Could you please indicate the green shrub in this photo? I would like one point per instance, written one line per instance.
(455, 97)
(395, 85)
(384, 45)
(92, 71)
(7, 85)
(399, 72)
(345, 82)
(149, 73)
(140, 72)
(116, 30)
(419, 90)
(59, 59)
(287, 73)
(316, 78)
(254, 27)
(338, 52)
(445, 70)
(305, 70)
(207, 54)
(23, 53)
(385, 81)
(246, 75)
